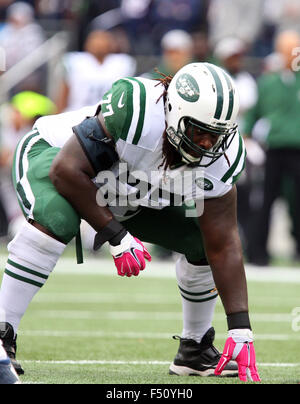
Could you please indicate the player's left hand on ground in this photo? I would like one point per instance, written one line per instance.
(130, 256)
(239, 347)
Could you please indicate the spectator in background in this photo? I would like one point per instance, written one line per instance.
(238, 18)
(3, 7)
(202, 50)
(230, 53)
(136, 16)
(275, 119)
(96, 7)
(278, 16)
(113, 21)
(89, 74)
(283, 14)
(56, 9)
(20, 36)
(146, 21)
(187, 15)
(177, 51)
(16, 119)
(91, 9)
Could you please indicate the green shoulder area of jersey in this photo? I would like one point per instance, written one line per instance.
(123, 109)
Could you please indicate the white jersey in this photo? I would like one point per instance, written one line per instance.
(88, 80)
(57, 129)
(134, 115)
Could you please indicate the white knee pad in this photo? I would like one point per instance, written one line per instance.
(33, 255)
(196, 283)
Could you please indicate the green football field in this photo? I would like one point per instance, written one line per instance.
(89, 326)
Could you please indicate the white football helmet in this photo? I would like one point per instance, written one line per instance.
(204, 96)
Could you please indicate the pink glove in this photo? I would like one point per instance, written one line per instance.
(129, 256)
(239, 347)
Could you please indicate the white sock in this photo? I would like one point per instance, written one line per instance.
(32, 257)
(197, 288)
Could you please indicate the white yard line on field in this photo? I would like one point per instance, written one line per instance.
(103, 297)
(150, 298)
(136, 363)
(149, 315)
(140, 335)
(162, 269)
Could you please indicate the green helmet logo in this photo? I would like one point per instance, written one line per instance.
(188, 88)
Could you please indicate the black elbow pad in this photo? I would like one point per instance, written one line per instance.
(98, 148)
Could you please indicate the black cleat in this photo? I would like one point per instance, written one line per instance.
(200, 359)
(8, 374)
(10, 346)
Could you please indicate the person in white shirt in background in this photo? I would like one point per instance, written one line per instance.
(89, 74)
(240, 18)
(20, 36)
(176, 51)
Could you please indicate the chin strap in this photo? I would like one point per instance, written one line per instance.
(187, 158)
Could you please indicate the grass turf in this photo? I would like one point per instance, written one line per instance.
(93, 328)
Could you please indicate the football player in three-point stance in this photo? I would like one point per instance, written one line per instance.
(185, 124)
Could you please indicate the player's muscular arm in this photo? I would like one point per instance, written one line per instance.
(224, 252)
(71, 174)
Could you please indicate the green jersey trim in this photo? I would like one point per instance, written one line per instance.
(237, 176)
(129, 114)
(141, 120)
(234, 166)
(124, 108)
(24, 193)
(25, 144)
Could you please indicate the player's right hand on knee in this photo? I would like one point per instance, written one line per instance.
(130, 256)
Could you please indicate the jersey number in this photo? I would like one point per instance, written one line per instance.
(108, 106)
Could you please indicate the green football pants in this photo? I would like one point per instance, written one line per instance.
(37, 196)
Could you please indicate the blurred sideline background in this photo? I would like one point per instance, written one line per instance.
(58, 56)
